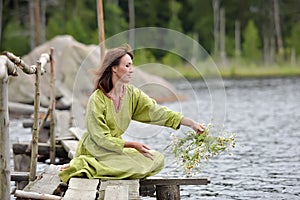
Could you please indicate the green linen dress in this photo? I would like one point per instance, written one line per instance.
(101, 152)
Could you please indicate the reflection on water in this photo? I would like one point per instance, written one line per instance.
(265, 164)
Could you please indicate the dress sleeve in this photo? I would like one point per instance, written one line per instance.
(146, 110)
(100, 136)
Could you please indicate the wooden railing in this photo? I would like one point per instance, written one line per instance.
(9, 65)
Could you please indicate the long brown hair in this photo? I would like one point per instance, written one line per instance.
(103, 80)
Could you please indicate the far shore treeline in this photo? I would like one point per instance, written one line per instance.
(244, 37)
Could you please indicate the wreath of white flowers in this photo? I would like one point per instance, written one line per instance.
(191, 150)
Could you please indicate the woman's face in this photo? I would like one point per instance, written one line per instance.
(123, 71)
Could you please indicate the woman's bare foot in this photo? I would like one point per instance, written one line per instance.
(63, 167)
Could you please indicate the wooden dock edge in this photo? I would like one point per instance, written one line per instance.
(164, 187)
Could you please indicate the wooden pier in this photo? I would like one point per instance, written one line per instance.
(49, 186)
(53, 138)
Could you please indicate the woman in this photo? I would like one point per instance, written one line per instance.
(101, 152)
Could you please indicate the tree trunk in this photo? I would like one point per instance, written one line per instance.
(267, 30)
(131, 22)
(196, 41)
(17, 11)
(216, 10)
(272, 50)
(277, 27)
(52, 109)
(222, 36)
(35, 127)
(237, 38)
(1, 9)
(101, 27)
(114, 1)
(37, 17)
(43, 21)
(266, 48)
(293, 57)
(4, 134)
(32, 24)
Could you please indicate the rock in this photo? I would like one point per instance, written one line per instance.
(74, 64)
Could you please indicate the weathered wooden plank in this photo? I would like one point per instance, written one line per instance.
(70, 146)
(28, 123)
(116, 192)
(19, 176)
(22, 109)
(82, 188)
(63, 123)
(46, 183)
(72, 194)
(35, 195)
(175, 181)
(89, 184)
(77, 132)
(133, 187)
(44, 149)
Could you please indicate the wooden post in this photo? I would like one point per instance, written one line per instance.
(35, 127)
(167, 192)
(43, 60)
(52, 109)
(101, 27)
(4, 135)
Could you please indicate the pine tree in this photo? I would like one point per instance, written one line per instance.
(251, 44)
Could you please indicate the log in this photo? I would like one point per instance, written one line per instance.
(175, 181)
(19, 176)
(44, 150)
(8, 66)
(22, 109)
(52, 109)
(20, 63)
(35, 127)
(35, 195)
(167, 192)
(168, 187)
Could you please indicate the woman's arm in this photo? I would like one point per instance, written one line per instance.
(142, 148)
(199, 128)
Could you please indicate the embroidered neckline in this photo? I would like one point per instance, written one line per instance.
(117, 102)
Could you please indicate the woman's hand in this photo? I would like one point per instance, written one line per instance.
(140, 147)
(199, 128)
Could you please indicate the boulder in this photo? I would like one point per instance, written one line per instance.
(74, 65)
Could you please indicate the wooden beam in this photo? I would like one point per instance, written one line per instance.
(44, 149)
(70, 146)
(82, 187)
(46, 183)
(35, 195)
(168, 192)
(174, 181)
(116, 192)
(19, 176)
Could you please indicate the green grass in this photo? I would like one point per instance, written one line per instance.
(249, 71)
(259, 71)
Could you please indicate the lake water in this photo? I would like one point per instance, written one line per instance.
(265, 114)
